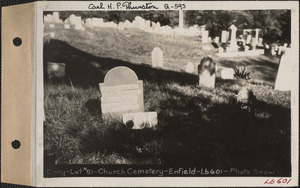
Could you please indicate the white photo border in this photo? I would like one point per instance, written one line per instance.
(40, 181)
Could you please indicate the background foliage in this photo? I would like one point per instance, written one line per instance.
(275, 25)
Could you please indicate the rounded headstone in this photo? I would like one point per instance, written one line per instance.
(120, 75)
(190, 67)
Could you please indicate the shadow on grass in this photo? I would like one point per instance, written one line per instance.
(195, 132)
(263, 68)
(86, 70)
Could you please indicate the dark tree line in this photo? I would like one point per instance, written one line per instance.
(275, 25)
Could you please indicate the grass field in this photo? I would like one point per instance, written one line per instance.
(197, 126)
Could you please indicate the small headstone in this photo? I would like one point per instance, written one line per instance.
(286, 78)
(78, 26)
(51, 25)
(56, 17)
(206, 47)
(253, 43)
(204, 37)
(273, 52)
(127, 24)
(280, 50)
(189, 67)
(207, 72)
(52, 34)
(246, 48)
(227, 74)
(224, 37)
(248, 39)
(157, 57)
(121, 92)
(217, 40)
(267, 46)
(121, 26)
(56, 70)
(260, 44)
(140, 120)
(88, 22)
(49, 18)
(67, 26)
(276, 47)
(147, 24)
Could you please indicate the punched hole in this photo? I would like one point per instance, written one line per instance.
(16, 144)
(17, 41)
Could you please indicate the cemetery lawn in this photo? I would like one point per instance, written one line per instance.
(197, 126)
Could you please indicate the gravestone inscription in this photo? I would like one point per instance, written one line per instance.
(121, 92)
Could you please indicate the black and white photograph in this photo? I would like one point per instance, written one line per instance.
(171, 92)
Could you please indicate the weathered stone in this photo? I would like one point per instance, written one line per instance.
(121, 92)
(190, 67)
(227, 74)
(157, 57)
(207, 72)
(287, 71)
(140, 120)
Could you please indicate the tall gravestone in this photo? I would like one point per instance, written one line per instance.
(256, 35)
(286, 79)
(121, 92)
(224, 36)
(207, 72)
(157, 57)
(233, 44)
(181, 19)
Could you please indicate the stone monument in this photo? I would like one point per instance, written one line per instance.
(121, 92)
(207, 72)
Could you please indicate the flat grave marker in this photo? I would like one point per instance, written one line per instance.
(227, 73)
